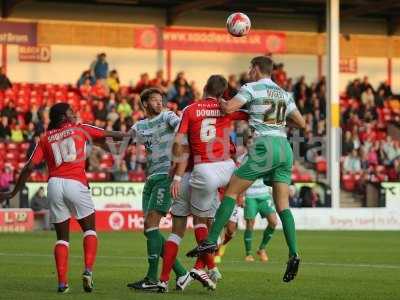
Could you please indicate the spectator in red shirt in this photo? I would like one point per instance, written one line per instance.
(280, 75)
(143, 83)
(86, 89)
(159, 82)
(87, 115)
(99, 91)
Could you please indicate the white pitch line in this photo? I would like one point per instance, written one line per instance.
(346, 265)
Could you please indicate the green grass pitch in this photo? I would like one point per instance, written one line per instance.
(335, 265)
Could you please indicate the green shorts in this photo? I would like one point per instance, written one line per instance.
(270, 158)
(263, 204)
(156, 194)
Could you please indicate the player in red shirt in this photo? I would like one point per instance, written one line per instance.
(207, 132)
(63, 147)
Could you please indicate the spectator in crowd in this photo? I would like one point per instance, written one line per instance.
(120, 172)
(353, 89)
(40, 203)
(112, 116)
(347, 143)
(100, 114)
(99, 67)
(124, 108)
(386, 88)
(95, 156)
(365, 85)
(6, 178)
(280, 75)
(113, 81)
(99, 90)
(159, 82)
(183, 98)
(86, 89)
(84, 76)
(5, 82)
(367, 97)
(380, 98)
(5, 130)
(394, 171)
(87, 115)
(143, 83)
(179, 81)
(9, 111)
(17, 135)
(352, 163)
(389, 151)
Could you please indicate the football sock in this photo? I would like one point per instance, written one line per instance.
(289, 230)
(267, 235)
(222, 216)
(61, 257)
(89, 248)
(201, 232)
(170, 252)
(248, 238)
(178, 268)
(154, 246)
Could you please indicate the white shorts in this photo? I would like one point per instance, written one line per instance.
(205, 181)
(181, 207)
(68, 197)
(235, 215)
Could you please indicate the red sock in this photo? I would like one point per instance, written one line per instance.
(171, 247)
(89, 248)
(61, 257)
(227, 238)
(201, 232)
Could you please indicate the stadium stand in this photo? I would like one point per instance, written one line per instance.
(369, 152)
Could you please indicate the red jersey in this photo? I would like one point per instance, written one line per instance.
(64, 150)
(208, 130)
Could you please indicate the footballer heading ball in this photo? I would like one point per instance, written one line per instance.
(238, 24)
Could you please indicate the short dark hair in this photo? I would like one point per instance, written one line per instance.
(58, 115)
(145, 95)
(264, 63)
(216, 86)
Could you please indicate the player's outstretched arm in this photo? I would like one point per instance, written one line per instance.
(23, 177)
(296, 120)
(231, 106)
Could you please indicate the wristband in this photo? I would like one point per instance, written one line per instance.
(177, 178)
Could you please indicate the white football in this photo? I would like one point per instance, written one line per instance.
(238, 24)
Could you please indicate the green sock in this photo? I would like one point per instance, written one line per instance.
(178, 268)
(222, 216)
(267, 235)
(289, 230)
(248, 238)
(154, 247)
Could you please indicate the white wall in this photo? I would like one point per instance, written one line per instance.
(68, 62)
(373, 67)
(396, 75)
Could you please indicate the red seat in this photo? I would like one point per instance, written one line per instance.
(320, 165)
(348, 182)
(90, 176)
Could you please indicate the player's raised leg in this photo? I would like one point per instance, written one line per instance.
(61, 253)
(235, 188)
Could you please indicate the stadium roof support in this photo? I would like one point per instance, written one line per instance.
(174, 12)
(333, 117)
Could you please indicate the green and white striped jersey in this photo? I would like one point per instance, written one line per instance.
(267, 105)
(157, 135)
(258, 187)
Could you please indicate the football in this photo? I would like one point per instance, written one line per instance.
(238, 24)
